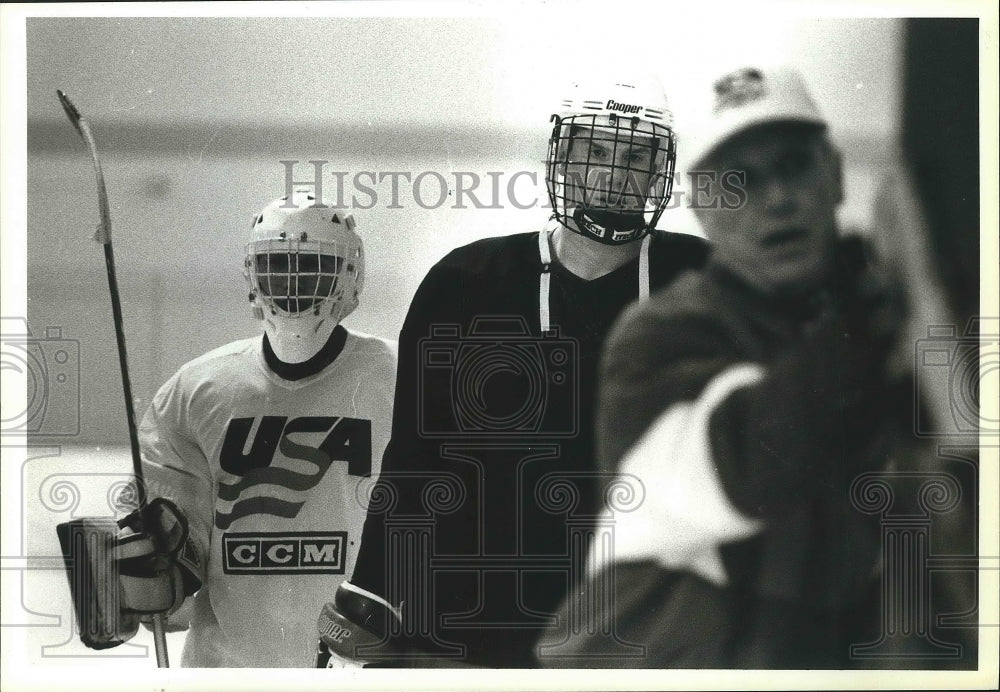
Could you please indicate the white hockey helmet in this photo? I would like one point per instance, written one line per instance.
(305, 267)
(610, 165)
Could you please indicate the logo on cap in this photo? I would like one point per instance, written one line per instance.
(739, 88)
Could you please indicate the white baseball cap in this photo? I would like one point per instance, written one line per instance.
(748, 97)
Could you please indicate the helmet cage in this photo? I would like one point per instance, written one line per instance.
(607, 201)
(294, 278)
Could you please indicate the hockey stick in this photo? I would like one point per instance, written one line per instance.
(103, 236)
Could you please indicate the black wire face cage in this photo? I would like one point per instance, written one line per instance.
(293, 278)
(609, 177)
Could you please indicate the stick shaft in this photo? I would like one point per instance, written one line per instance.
(160, 641)
(133, 435)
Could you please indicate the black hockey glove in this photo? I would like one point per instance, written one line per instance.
(119, 576)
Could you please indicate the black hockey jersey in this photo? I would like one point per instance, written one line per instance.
(489, 479)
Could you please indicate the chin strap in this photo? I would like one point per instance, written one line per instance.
(543, 281)
(545, 254)
(598, 223)
(644, 269)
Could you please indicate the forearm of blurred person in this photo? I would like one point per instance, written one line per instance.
(768, 430)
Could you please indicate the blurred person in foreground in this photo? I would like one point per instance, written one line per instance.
(741, 403)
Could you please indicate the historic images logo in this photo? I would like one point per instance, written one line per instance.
(50, 369)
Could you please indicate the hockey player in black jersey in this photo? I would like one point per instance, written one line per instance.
(489, 483)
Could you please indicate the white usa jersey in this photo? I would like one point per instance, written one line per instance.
(273, 476)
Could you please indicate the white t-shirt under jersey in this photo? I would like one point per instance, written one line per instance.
(272, 475)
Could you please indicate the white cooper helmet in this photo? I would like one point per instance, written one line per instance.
(605, 200)
(305, 266)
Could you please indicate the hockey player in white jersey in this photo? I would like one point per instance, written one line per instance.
(267, 446)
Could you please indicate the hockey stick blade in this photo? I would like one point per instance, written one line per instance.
(71, 111)
(103, 233)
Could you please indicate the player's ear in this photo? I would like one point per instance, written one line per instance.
(561, 155)
(564, 144)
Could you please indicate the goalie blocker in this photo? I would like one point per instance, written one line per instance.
(119, 575)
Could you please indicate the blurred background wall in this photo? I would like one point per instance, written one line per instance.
(194, 116)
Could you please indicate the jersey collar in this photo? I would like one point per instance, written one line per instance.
(298, 371)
